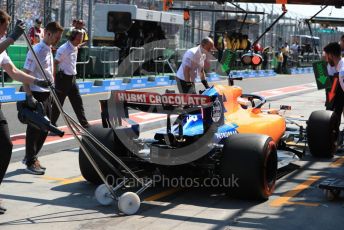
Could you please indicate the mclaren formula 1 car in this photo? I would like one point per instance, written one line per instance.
(221, 133)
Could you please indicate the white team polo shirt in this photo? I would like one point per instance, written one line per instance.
(340, 70)
(331, 70)
(194, 59)
(4, 58)
(45, 56)
(66, 55)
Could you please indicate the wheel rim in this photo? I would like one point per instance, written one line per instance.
(129, 203)
(103, 195)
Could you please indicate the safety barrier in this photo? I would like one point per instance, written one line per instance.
(9, 94)
(301, 70)
(253, 73)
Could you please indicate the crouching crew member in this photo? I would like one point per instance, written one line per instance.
(65, 81)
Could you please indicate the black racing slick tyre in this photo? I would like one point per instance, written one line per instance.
(249, 160)
(323, 133)
(107, 137)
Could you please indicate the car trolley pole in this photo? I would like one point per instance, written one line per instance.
(74, 127)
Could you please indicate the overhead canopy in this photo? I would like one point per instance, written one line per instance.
(337, 3)
(215, 10)
(328, 21)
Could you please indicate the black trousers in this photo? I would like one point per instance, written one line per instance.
(6, 146)
(184, 88)
(35, 137)
(66, 86)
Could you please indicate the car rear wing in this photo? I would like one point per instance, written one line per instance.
(119, 103)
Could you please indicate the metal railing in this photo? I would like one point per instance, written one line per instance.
(136, 56)
(159, 58)
(108, 56)
(213, 61)
(84, 62)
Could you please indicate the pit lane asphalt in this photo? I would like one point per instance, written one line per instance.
(91, 104)
(62, 200)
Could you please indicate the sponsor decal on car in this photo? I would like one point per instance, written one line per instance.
(216, 112)
(166, 99)
(226, 131)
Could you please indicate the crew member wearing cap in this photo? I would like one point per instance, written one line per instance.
(65, 80)
(193, 66)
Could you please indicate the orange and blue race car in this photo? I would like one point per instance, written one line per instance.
(220, 133)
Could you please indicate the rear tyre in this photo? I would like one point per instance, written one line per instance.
(323, 133)
(250, 160)
(107, 137)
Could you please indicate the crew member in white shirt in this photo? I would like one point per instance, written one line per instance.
(65, 81)
(35, 137)
(193, 66)
(6, 63)
(333, 57)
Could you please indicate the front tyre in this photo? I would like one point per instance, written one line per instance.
(323, 133)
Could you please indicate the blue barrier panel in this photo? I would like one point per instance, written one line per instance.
(8, 94)
(293, 71)
(214, 77)
(97, 89)
(162, 81)
(112, 84)
(172, 81)
(151, 82)
(138, 83)
(85, 87)
(252, 74)
(245, 74)
(89, 88)
(126, 84)
(236, 74)
(271, 72)
(262, 73)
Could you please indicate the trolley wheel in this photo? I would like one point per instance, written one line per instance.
(129, 203)
(331, 194)
(103, 195)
